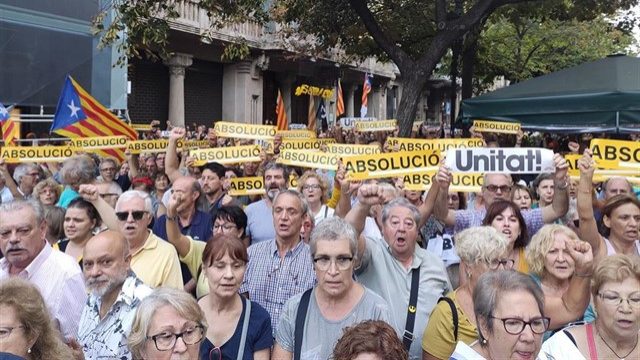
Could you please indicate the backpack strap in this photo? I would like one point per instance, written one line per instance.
(454, 315)
(593, 352)
(245, 328)
(301, 316)
(570, 336)
(407, 337)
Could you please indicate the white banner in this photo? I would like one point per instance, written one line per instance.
(501, 160)
(350, 122)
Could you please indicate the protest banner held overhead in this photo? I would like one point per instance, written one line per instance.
(502, 160)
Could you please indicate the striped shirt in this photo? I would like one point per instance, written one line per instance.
(271, 280)
(60, 281)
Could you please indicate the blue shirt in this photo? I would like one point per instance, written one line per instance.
(258, 336)
(260, 222)
(201, 227)
(68, 194)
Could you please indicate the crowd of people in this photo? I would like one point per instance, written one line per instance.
(152, 258)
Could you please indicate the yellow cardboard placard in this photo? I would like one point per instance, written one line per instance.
(496, 126)
(387, 165)
(253, 185)
(309, 159)
(461, 182)
(36, 154)
(244, 131)
(572, 161)
(147, 146)
(141, 127)
(226, 155)
(100, 142)
(616, 154)
(350, 150)
(297, 134)
(442, 145)
(382, 125)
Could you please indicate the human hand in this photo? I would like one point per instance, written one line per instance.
(89, 192)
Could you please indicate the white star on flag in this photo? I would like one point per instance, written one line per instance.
(3, 111)
(74, 109)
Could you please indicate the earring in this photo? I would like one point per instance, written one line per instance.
(469, 274)
(29, 351)
(484, 341)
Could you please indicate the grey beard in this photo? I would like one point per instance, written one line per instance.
(271, 194)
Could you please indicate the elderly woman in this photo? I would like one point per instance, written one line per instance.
(168, 324)
(315, 191)
(562, 271)
(620, 216)
(508, 308)
(505, 217)
(26, 329)
(372, 340)
(614, 334)
(522, 196)
(76, 171)
(47, 192)
(481, 249)
(544, 190)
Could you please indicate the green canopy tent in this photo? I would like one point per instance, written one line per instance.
(599, 96)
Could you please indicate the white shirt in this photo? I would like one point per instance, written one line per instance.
(61, 284)
(5, 195)
(107, 338)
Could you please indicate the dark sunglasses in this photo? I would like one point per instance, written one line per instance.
(123, 215)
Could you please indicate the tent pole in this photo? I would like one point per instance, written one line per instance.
(617, 122)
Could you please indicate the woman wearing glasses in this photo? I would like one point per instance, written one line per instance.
(508, 308)
(314, 189)
(614, 333)
(562, 265)
(47, 192)
(481, 249)
(168, 324)
(505, 217)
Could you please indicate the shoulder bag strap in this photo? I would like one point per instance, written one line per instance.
(454, 315)
(570, 336)
(301, 316)
(593, 352)
(407, 337)
(245, 328)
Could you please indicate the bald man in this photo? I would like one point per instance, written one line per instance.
(115, 292)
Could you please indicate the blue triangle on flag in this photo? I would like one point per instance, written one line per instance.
(69, 110)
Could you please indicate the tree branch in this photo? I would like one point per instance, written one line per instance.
(402, 60)
(441, 11)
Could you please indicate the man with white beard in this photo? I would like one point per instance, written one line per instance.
(259, 214)
(115, 292)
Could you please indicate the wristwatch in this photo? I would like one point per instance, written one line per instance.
(173, 218)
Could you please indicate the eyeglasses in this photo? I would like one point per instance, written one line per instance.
(166, 341)
(124, 215)
(515, 326)
(6, 331)
(215, 353)
(224, 227)
(507, 263)
(495, 188)
(108, 169)
(323, 263)
(35, 174)
(616, 300)
(311, 187)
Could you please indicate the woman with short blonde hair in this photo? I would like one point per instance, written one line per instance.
(315, 191)
(47, 192)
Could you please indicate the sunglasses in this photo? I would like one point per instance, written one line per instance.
(123, 215)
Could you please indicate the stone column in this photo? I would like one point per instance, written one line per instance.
(177, 65)
(348, 101)
(242, 93)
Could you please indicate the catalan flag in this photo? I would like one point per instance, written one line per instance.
(340, 101)
(366, 89)
(281, 113)
(10, 129)
(79, 115)
(311, 118)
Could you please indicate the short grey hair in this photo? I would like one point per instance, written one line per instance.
(486, 176)
(81, 167)
(272, 165)
(333, 229)
(110, 159)
(606, 183)
(303, 202)
(400, 202)
(480, 244)
(18, 205)
(184, 304)
(491, 287)
(22, 170)
(130, 194)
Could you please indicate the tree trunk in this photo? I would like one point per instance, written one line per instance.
(412, 85)
(468, 65)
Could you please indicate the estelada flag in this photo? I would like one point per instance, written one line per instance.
(10, 128)
(340, 102)
(281, 113)
(79, 115)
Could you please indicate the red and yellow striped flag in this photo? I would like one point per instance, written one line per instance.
(281, 113)
(311, 122)
(340, 101)
(10, 127)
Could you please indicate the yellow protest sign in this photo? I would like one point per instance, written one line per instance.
(616, 154)
(293, 181)
(226, 155)
(147, 146)
(349, 150)
(496, 126)
(101, 142)
(37, 154)
(244, 131)
(572, 161)
(297, 134)
(241, 186)
(382, 125)
(308, 144)
(309, 159)
(192, 144)
(461, 182)
(386, 165)
(305, 89)
(442, 145)
(141, 127)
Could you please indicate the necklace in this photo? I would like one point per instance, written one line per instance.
(613, 351)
